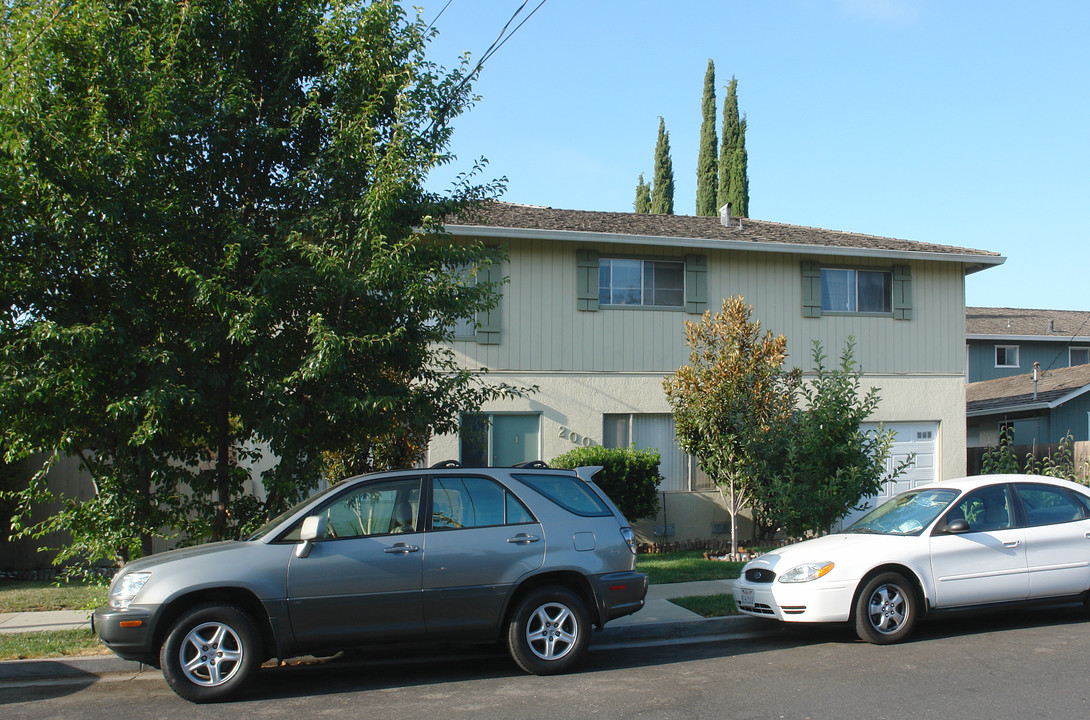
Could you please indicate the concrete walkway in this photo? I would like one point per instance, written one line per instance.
(38, 621)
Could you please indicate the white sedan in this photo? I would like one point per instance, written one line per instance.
(953, 544)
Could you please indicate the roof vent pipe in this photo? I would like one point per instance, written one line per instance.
(724, 215)
(1036, 369)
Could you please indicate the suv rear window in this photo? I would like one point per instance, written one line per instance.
(567, 491)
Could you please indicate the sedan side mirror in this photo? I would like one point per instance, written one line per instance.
(957, 526)
(313, 529)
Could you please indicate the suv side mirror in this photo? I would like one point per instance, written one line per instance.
(313, 528)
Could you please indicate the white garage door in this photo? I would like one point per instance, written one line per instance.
(920, 438)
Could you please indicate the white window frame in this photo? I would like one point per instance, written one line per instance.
(644, 262)
(850, 305)
(1006, 356)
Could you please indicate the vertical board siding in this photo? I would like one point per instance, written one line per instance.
(542, 330)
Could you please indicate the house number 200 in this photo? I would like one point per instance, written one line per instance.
(574, 437)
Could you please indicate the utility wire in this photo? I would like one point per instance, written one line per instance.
(1071, 340)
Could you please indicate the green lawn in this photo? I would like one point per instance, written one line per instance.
(37, 595)
(685, 567)
(52, 643)
(708, 605)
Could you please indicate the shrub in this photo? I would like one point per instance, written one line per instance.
(631, 477)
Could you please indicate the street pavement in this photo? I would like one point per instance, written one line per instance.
(659, 622)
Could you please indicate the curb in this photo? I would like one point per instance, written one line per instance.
(673, 632)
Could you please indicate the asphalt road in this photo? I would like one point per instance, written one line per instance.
(1014, 664)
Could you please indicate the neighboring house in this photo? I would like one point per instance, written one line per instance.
(1041, 409)
(1003, 342)
(594, 312)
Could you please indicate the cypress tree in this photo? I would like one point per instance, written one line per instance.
(643, 196)
(662, 192)
(733, 172)
(707, 164)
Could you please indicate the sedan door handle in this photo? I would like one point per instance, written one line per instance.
(523, 539)
(401, 549)
(1012, 543)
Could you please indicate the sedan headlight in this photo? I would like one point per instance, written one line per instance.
(126, 588)
(806, 572)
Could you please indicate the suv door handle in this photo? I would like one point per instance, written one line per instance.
(401, 549)
(523, 539)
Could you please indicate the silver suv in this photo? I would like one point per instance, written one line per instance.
(531, 555)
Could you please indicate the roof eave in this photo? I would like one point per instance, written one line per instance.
(1007, 409)
(1029, 338)
(973, 263)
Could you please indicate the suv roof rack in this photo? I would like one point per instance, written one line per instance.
(447, 464)
(532, 465)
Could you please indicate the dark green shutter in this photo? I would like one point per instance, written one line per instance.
(488, 321)
(902, 292)
(586, 280)
(811, 289)
(696, 283)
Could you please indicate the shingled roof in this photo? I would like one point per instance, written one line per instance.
(742, 232)
(1061, 325)
(1015, 392)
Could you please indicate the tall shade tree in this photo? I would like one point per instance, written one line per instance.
(707, 162)
(662, 189)
(215, 242)
(733, 160)
(643, 196)
(733, 403)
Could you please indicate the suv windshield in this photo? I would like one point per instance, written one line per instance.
(907, 514)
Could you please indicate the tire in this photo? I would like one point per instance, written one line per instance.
(886, 610)
(549, 631)
(211, 654)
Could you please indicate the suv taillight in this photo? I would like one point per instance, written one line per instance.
(630, 538)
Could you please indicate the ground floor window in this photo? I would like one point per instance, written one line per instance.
(499, 439)
(656, 431)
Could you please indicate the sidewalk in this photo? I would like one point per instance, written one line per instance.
(660, 622)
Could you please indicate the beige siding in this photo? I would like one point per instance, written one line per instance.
(543, 332)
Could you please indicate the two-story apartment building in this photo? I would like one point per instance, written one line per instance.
(594, 310)
(1029, 371)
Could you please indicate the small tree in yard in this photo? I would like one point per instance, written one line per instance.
(733, 403)
(830, 465)
(630, 477)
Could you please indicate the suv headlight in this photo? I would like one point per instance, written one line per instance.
(125, 589)
(806, 572)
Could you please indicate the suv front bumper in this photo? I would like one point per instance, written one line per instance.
(130, 633)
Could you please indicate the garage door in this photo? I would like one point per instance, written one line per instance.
(920, 438)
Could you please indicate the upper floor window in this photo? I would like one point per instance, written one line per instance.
(856, 291)
(659, 283)
(1006, 356)
(1079, 356)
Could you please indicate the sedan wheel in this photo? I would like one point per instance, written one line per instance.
(548, 631)
(211, 653)
(886, 610)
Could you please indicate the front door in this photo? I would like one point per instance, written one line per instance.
(361, 582)
(987, 563)
(515, 439)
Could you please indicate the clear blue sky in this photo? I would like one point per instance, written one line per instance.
(960, 122)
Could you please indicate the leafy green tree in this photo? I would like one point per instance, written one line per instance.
(733, 403)
(662, 189)
(215, 238)
(707, 162)
(630, 477)
(831, 464)
(733, 159)
(643, 196)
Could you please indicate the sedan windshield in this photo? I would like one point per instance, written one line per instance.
(907, 514)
